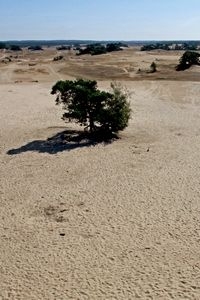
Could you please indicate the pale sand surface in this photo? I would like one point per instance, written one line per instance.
(129, 216)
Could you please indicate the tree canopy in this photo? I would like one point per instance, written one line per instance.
(188, 59)
(97, 110)
(97, 48)
(93, 49)
(35, 48)
(173, 45)
(15, 48)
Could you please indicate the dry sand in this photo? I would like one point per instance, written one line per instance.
(115, 221)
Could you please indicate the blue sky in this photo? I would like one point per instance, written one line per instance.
(100, 19)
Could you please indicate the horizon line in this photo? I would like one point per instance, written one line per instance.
(104, 40)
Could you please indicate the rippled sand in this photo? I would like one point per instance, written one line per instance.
(114, 221)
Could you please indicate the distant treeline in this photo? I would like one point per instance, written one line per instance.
(73, 43)
(97, 48)
(10, 47)
(34, 43)
(35, 48)
(93, 48)
(18, 48)
(193, 45)
(64, 48)
(44, 43)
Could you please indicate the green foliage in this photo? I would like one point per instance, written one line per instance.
(15, 48)
(93, 49)
(96, 49)
(113, 47)
(153, 67)
(97, 110)
(62, 48)
(35, 48)
(191, 45)
(117, 112)
(150, 47)
(188, 59)
(2, 45)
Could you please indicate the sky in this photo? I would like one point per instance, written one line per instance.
(100, 19)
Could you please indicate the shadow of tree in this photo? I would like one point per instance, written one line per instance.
(66, 140)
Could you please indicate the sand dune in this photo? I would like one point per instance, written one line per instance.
(115, 221)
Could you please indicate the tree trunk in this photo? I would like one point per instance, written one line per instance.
(91, 124)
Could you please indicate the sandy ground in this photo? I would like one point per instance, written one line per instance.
(115, 221)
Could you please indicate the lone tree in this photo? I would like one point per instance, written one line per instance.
(188, 59)
(153, 67)
(97, 110)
